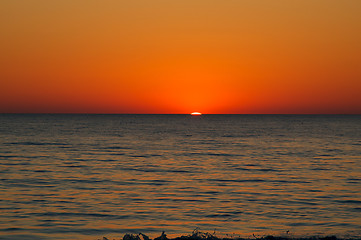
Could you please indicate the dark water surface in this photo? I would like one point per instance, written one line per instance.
(86, 176)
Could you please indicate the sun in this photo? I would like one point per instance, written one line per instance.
(196, 113)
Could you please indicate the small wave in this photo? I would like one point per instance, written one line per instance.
(229, 136)
(80, 215)
(74, 166)
(42, 171)
(320, 169)
(267, 170)
(139, 156)
(256, 180)
(17, 164)
(38, 143)
(236, 180)
(210, 154)
(12, 229)
(115, 154)
(154, 170)
(116, 148)
(8, 156)
(353, 179)
(350, 201)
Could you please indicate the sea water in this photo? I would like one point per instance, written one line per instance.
(88, 176)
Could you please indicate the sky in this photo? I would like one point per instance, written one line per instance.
(180, 56)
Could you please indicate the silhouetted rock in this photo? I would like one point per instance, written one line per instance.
(162, 237)
(329, 238)
(143, 236)
(269, 237)
(198, 235)
(131, 237)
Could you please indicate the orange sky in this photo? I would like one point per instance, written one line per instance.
(180, 56)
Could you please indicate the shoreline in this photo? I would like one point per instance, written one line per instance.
(197, 235)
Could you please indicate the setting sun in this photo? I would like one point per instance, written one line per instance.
(196, 113)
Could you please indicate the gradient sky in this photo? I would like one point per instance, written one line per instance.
(180, 56)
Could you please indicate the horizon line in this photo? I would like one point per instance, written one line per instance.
(76, 113)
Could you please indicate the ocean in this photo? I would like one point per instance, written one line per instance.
(87, 176)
